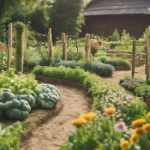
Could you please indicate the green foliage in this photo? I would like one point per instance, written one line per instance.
(96, 135)
(118, 63)
(101, 69)
(71, 64)
(3, 59)
(18, 84)
(143, 91)
(74, 55)
(130, 84)
(136, 109)
(10, 137)
(21, 93)
(115, 36)
(66, 10)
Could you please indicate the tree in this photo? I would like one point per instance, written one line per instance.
(7, 6)
(66, 17)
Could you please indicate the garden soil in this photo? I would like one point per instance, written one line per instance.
(117, 75)
(54, 133)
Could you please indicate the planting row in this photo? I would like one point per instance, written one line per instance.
(19, 94)
(115, 110)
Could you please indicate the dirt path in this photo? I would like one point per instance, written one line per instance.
(117, 75)
(54, 133)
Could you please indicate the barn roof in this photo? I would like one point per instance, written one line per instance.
(116, 7)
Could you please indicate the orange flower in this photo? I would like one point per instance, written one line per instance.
(124, 145)
(110, 110)
(139, 131)
(134, 138)
(138, 122)
(148, 115)
(146, 127)
(89, 116)
(79, 122)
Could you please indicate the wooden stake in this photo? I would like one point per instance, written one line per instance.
(87, 48)
(133, 58)
(50, 45)
(148, 61)
(64, 43)
(10, 47)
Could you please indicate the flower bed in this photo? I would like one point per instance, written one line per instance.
(99, 134)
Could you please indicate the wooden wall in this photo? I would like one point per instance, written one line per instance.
(105, 25)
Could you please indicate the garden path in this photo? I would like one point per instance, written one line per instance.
(117, 75)
(53, 134)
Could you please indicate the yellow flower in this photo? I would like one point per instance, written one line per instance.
(139, 131)
(138, 123)
(146, 127)
(124, 145)
(110, 110)
(148, 115)
(134, 138)
(89, 116)
(79, 122)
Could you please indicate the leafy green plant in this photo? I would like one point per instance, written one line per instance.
(3, 58)
(19, 94)
(118, 63)
(10, 136)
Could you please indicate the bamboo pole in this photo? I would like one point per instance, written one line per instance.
(10, 47)
(133, 58)
(148, 61)
(64, 43)
(50, 45)
(87, 48)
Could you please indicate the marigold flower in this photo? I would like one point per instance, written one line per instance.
(148, 115)
(138, 122)
(110, 110)
(89, 116)
(146, 127)
(79, 122)
(139, 131)
(134, 138)
(124, 145)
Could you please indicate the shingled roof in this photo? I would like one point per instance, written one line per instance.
(116, 7)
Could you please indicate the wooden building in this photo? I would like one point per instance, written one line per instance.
(102, 17)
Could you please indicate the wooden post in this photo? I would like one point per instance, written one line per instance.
(50, 45)
(20, 38)
(148, 61)
(87, 48)
(10, 48)
(133, 58)
(64, 43)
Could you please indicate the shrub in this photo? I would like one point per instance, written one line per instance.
(130, 84)
(143, 91)
(118, 63)
(101, 69)
(74, 55)
(71, 64)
